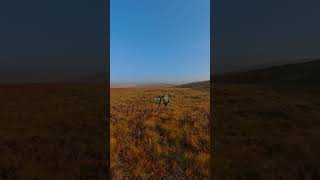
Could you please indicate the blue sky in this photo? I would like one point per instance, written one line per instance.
(159, 40)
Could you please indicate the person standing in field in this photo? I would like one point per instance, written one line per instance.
(165, 99)
(158, 100)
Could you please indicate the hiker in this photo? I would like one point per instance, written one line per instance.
(158, 100)
(165, 99)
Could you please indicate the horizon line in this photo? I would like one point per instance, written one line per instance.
(156, 82)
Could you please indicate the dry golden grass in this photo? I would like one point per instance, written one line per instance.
(148, 141)
(266, 132)
(52, 131)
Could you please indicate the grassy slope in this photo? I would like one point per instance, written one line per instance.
(306, 73)
(52, 131)
(203, 85)
(148, 141)
(268, 129)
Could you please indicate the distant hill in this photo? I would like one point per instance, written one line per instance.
(140, 85)
(154, 85)
(117, 85)
(301, 73)
(202, 85)
(220, 67)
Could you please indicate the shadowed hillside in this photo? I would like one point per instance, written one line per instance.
(267, 123)
(203, 85)
(303, 73)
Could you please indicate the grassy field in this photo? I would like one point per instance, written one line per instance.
(267, 123)
(58, 131)
(52, 131)
(152, 142)
(266, 132)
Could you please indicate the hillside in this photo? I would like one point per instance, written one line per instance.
(154, 85)
(267, 123)
(202, 85)
(290, 74)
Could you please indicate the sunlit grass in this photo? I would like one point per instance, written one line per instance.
(148, 141)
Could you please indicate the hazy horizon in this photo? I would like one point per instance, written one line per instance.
(159, 81)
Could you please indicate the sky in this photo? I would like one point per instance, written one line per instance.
(154, 41)
(250, 32)
(50, 40)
